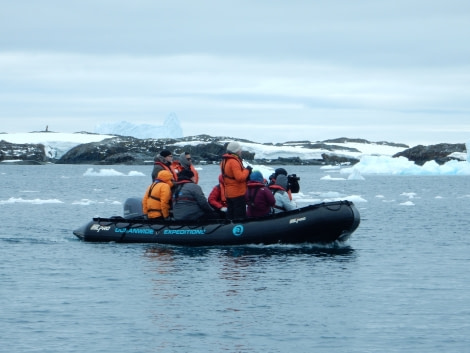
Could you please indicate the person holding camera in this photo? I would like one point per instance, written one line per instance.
(292, 181)
(281, 196)
(235, 177)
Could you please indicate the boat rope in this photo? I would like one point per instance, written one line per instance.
(337, 206)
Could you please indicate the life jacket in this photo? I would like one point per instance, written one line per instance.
(159, 209)
(234, 175)
(225, 158)
(166, 167)
(177, 167)
(275, 188)
(153, 204)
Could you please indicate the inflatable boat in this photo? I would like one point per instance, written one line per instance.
(326, 222)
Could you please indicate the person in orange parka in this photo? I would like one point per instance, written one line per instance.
(157, 198)
(184, 162)
(235, 176)
(217, 197)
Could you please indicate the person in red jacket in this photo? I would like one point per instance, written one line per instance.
(217, 197)
(235, 176)
(259, 198)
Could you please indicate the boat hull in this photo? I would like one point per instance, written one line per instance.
(322, 223)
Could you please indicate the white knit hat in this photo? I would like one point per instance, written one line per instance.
(234, 147)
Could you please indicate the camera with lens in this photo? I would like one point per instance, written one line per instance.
(293, 183)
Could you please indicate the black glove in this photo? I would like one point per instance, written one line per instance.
(250, 168)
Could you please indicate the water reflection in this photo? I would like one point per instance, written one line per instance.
(164, 257)
(225, 285)
(233, 264)
(337, 251)
(288, 250)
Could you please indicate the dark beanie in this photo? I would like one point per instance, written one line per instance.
(280, 171)
(185, 174)
(165, 153)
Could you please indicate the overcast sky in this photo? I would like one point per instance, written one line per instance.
(269, 71)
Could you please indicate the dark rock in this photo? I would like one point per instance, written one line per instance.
(332, 159)
(115, 150)
(440, 153)
(130, 150)
(358, 140)
(33, 153)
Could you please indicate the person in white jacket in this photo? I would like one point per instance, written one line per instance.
(279, 189)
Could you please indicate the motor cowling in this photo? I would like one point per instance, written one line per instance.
(133, 207)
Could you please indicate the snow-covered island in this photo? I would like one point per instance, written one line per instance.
(82, 147)
(87, 148)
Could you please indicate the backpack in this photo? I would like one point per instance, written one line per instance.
(252, 197)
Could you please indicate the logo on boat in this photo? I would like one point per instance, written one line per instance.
(238, 230)
(134, 231)
(185, 231)
(98, 228)
(297, 220)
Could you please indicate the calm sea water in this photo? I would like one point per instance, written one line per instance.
(400, 284)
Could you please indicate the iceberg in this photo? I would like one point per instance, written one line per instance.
(403, 166)
(467, 145)
(171, 128)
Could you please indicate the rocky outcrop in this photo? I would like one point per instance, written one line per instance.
(333, 159)
(441, 153)
(130, 150)
(357, 140)
(115, 150)
(22, 153)
(208, 149)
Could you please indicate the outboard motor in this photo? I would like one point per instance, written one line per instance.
(133, 207)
